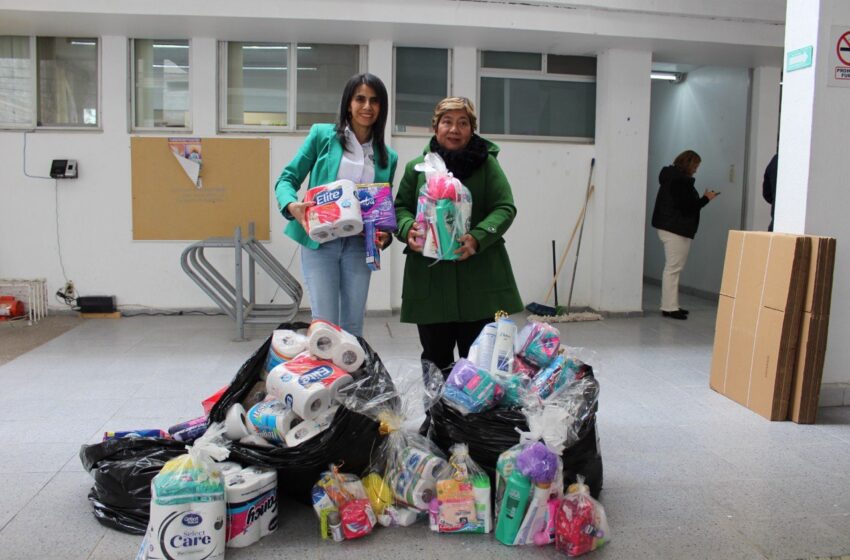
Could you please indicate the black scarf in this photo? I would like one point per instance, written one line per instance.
(463, 163)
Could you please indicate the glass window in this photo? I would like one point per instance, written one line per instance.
(323, 71)
(575, 65)
(538, 107)
(160, 77)
(257, 75)
(67, 81)
(421, 81)
(511, 60)
(16, 82)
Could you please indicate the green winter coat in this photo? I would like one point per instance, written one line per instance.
(474, 289)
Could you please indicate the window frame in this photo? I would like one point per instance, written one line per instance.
(291, 127)
(449, 89)
(37, 102)
(131, 89)
(537, 75)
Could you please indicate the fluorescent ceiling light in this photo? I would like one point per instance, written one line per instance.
(84, 43)
(669, 76)
(265, 47)
(159, 46)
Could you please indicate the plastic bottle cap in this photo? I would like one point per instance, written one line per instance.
(481, 481)
(427, 495)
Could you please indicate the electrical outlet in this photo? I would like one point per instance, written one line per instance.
(69, 289)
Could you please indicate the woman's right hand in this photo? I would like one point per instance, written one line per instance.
(709, 194)
(416, 237)
(299, 211)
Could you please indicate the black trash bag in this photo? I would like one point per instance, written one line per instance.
(122, 470)
(494, 431)
(349, 440)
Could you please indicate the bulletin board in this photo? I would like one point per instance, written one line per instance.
(233, 190)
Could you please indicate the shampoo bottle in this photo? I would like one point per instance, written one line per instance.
(481, 491)
(512, 509)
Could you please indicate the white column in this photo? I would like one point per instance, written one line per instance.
(203, 86)
(465, 72)
(381, 64)
(612, 249)
(764, 129)
(812, 192)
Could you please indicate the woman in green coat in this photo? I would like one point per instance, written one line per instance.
(451, 301)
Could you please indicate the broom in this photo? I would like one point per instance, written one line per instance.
(559, 314)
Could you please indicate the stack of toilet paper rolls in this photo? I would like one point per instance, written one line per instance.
(328, 341)
(336, 212)
(251, 497)
(414, 479)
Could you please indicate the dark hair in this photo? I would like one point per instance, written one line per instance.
(344, 117)
(686, 159)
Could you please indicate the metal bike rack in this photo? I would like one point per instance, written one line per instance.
(229, 297)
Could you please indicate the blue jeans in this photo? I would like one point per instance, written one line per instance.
(338, 281)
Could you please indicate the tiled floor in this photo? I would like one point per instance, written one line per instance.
(688, 474)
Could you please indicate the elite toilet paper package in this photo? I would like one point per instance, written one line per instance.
(336, 212)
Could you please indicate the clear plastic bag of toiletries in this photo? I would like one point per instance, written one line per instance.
(581, 525)
(407, 462)
(345, 494)
(462, 503)
(443, 210)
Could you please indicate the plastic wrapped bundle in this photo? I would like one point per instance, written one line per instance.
(444, 209)
(408, 462)
(349, 438)
(492, 432)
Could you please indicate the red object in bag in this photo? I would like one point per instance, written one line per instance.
(580, 523)
(11, 308)
(210, 401)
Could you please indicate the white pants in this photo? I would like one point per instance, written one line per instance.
(676, 250)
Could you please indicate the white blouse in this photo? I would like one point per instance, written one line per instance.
(357, 165)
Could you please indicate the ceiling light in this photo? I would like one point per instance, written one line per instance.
(669, 76)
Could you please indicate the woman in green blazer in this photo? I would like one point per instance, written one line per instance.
(451, 301)
(335, 272)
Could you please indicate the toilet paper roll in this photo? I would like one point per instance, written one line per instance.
(228, 467)
(271, 420)
(322, 338)
(348, 354)
(309, 429)
(422, 462)
(267, 500)
(236, 423)
(243, 524)
(313, 370)
(411, 489)
(350, 220)
(255, 439)
(301, 392)
(287, 344)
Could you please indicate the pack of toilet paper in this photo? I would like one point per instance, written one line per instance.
(188, 509)
(336, 212)
(251, 495)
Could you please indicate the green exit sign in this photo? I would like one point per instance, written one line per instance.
(798, 59)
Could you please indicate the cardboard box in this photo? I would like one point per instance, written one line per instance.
(759, 313)
(808, 371)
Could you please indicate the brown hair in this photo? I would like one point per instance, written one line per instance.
(454, 104)
(686, 160)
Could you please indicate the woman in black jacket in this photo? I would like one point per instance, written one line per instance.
(676, 217)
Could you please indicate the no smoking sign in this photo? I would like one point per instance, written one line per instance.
(840, 58)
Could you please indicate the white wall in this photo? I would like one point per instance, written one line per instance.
(548, 178)
(706, 113)
(812, 190)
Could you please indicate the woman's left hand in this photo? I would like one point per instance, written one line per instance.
(468, 247)
(382, 239)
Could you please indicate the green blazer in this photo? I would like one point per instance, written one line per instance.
(319, 156)
(474, 289)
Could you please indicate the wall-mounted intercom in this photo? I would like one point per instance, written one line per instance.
(63, 169)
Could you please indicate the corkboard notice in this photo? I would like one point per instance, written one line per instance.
(232, 190)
